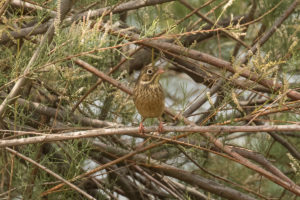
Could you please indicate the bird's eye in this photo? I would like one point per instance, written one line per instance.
(149, 71)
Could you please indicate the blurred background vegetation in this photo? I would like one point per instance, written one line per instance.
(40, 42)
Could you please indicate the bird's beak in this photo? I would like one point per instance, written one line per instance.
(160, 71)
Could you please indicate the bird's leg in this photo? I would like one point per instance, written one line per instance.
(160, 127)
(141, 127)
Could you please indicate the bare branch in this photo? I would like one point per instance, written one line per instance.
(134, 131)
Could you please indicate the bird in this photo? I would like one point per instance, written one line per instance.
(148, 96)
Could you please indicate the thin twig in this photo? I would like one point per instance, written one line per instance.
(185, 3)
(270, 32)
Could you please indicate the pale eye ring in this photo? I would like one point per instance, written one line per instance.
(149, 71)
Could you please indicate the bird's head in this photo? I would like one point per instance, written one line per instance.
(150, 75)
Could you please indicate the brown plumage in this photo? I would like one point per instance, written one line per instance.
(148, 95)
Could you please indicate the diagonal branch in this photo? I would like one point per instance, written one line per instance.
(17, 87)
(269, 33)
(222, 64)
(50, 172)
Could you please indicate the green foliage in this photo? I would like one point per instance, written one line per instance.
(56, 81)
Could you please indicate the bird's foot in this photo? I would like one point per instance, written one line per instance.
(141, 128)
(160, 127)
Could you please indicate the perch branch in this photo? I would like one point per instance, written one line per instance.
(134, 131)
